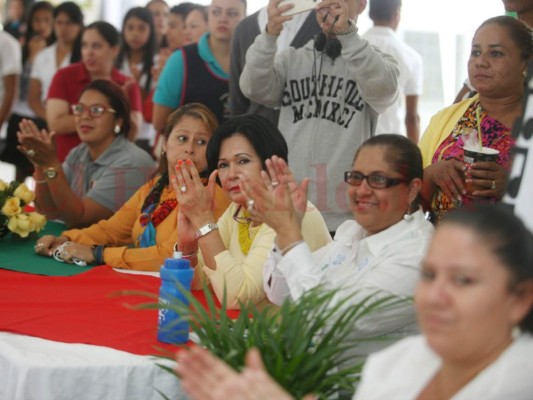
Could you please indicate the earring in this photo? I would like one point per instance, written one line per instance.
(524, 73)
(163, 153)
(407, 216)
(516, 332)
(117, 129)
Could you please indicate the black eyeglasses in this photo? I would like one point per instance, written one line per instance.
(375, 181)
(95, 110)
(242, 219)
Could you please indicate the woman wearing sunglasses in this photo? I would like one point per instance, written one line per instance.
(377, 254)
(101, 173)
(232, 250)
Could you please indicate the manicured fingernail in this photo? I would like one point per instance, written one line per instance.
(188, 162)
(180, 162)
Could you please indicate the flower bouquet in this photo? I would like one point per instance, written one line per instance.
(13, 197)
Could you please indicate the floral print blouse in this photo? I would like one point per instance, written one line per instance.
(493, 134)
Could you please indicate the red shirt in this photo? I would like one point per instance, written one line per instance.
(68, 84)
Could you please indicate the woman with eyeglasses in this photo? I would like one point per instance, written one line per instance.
(377, 254)
(142, 233)
(101, 173)
(231, 252)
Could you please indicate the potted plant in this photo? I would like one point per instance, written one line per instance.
(306, 346)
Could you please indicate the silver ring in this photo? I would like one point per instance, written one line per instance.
(493, 185)
(250, 205)
(30, 153)
(275, 183)
(183, 189)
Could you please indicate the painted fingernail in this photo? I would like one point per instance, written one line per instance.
(188, 162)
(180, 162)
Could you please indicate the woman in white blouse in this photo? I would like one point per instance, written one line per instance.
(377, 254)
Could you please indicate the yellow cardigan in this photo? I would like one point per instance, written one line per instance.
(440, 127)
(121, 230)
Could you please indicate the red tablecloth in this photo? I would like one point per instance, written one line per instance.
(82, 309)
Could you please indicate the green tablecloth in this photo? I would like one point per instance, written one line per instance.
(18, 255)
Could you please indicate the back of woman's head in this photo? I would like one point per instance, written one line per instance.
(75, 16)
(507, 238)
(265, 138)
(108, 32)
(117, 100)
(193, 110)
(520, 33)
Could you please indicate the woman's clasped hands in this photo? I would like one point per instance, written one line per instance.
(196, 203)
(63, 250)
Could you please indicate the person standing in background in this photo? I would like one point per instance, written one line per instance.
(136, 60)
(386, 17)
(68, 27)
(174, 37)
(298, 31)
(15, 24)
(38, 35)
(330, 94)
(99, 48)
(160, 13)
(10, 70)
(195, 24)
(199, 72)
(522, 8)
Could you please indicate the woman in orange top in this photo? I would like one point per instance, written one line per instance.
(148, 219)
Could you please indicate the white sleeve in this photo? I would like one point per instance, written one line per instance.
(293, 274)
(10, 57)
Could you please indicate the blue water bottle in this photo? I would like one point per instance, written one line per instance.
(176, 276)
